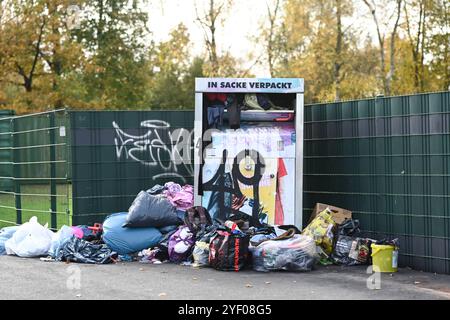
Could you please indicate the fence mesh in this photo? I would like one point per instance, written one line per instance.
(34, 169)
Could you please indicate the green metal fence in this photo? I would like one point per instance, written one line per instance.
(6, 167)
(388, 160)
(37, 180)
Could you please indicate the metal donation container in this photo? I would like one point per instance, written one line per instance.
(249, 149)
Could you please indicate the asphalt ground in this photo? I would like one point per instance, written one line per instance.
(35, 279)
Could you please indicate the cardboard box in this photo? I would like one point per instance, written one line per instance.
(339, 215)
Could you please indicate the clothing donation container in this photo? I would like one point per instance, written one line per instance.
(249, 149)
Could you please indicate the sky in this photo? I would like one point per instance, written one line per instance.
(234, 36)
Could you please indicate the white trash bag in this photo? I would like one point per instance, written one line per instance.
(30, 240)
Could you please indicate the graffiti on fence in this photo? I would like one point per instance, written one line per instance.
(159, 147)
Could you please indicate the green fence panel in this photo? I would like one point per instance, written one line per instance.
(387, 160)
(38, 169)
(115, 155)
(6, 167)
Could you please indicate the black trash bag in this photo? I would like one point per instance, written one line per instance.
(349, 228)
(163, 246)
(197, 219)
(352, 251)
(229, 251)
(81, 251)
(389, 242)
(208, 233)
(151, 211)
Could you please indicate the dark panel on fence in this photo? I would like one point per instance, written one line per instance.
(6, 167)
(115, 155)
(388, 160)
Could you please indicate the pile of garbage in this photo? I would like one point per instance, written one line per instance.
(162, 225)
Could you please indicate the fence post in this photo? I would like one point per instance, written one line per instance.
(17, 173)
(53, 192)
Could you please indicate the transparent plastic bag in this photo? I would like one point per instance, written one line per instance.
(59, 239)
(297, 253)
(201, 255)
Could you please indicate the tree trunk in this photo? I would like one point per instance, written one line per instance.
(391, 73)
(382, 49)
(422, 54)
(338, 52)
(28, 84)
(213, 49)
(270, 41)
(100, 25)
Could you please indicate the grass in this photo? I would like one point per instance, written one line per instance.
(31, 200)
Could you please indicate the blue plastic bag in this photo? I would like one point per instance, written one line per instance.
(128, 240)
(6, 234)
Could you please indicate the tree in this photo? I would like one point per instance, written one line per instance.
(172, 74)
(210, 18)
(338, 61)
(374, 10)
(35, 48)
(417, 37)
(115, 35)
(438, 43)
(313, 42)
(268, 36)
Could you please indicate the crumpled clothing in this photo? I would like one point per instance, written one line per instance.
(156, 190)
(182, 198)
(153, 256)
(257, 239)
(218, 97)
(172, 187)
(215, 115)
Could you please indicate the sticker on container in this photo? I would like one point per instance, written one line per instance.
(354, 253)
(62, 131)
(395, 259)
(281, 145)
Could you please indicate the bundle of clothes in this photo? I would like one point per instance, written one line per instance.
(162, 225)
